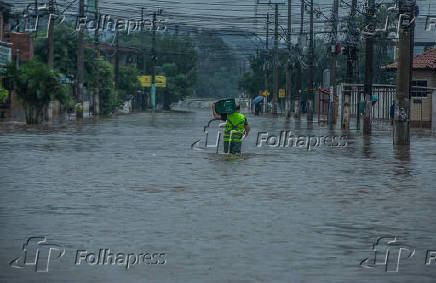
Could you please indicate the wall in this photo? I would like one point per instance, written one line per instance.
(421, 108)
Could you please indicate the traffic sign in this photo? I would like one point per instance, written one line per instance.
(266, 93)
(145, 81)
(159, 81)
(282, 93)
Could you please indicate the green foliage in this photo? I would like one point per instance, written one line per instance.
(128, 82)
(36, 85)
(3, 93)
(109, 98)
(179, 85)
(176, 59)
(65, 52)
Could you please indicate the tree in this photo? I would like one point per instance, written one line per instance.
(128, 82)
(176, 59)
(178, 87)
(65, 53)
(36, 85)
(109, 97)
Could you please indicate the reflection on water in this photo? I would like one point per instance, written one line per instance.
(131, 183)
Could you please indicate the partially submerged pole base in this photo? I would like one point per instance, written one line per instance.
(401, 128)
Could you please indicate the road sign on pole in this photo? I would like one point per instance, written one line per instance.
(265, 93)
(145, 81)
(160, 81)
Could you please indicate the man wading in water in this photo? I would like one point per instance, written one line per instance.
(236, 128)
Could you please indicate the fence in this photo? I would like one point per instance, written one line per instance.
(421, 110)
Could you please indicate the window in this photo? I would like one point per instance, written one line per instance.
(417, 88)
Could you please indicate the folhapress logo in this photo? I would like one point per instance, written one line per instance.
(387, 252)
(37, 253)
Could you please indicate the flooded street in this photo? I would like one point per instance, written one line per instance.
(132, 184)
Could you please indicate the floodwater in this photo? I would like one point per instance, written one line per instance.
(132, 184)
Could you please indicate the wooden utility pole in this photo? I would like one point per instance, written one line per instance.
(369, 53)
(50, 34)
(117, 58)
(288, 69)
(80, 64)
(153, 63)
(401, 134)
(266, 59)
(297, 110)
(144, 64)
(351, 53)
(276, 60)
(309, 101)
(267, 31)
(334, 54)
(96, 101)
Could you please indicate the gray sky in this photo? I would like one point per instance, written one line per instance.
(230, 17)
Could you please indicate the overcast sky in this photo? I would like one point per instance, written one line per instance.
(228, 16)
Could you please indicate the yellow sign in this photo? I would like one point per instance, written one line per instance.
(145, 81)
(265, 93)
(282, 93)
(160, 81)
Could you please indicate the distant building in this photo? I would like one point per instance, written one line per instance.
(424, 76)
(14, 47)
(22, 46)
(127, 56)
(5, 56)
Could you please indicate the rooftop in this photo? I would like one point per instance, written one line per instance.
(423, 61)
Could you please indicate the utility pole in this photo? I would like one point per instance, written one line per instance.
(288, 69)
(144, 64)
(117, 57)
(351, 53)
(334, 54)
(50, 34)
(309, 101)
(297, 110)
(267, 31)
(266, 59)
(96, 107)
(369, 53)
(275, 60)
(153, 61)
(17, 59)
(402, 101)
(80, 65)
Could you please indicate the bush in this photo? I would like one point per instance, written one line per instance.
(36, 85)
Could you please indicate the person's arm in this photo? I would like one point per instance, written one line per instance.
(215, 115)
